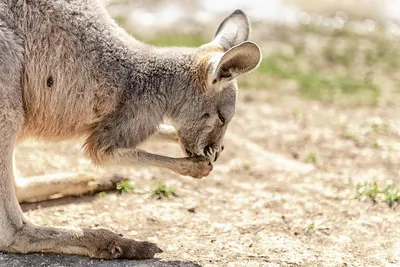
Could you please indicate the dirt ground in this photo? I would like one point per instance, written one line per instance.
(261, 206)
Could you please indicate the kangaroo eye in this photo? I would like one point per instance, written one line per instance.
(206, 116)
(221, 118)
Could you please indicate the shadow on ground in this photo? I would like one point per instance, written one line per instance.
(53, 260)
(57, 202)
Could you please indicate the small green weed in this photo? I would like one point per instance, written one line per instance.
(371, 190)
(377, 144)
(315, 226)
(247, 165)
(368, 190)
(391, 195)
(161, 190)
(125, 186)
(379, 127)
(102, 194)
(309, 227)
(311, 157)
(296, 113)
(352, 136)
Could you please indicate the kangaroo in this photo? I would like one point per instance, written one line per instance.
(67, 70)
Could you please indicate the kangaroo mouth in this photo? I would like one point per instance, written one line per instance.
(189, 150)
(189, 153)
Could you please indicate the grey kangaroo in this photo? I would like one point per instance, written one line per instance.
(67, 70)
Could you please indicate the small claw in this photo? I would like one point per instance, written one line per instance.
(216, 156)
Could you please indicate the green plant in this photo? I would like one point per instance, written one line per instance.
(352, 136)
(391, 195)
(102, 194)
(125, 186)
(379, 127)
(161, 190)
(247, 165)
(368, 190)
(315, 226)
(311, 157)
(309, 227)
(377, 144)
(371, 190)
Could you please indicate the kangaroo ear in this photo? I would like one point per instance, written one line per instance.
(238, 60)
(234, 30)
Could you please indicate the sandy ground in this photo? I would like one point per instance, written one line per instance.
(261, 206)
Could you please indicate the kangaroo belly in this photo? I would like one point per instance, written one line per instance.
(56, 89)
(61, 94)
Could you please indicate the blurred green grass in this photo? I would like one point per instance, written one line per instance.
(335, 66)
(315, 84)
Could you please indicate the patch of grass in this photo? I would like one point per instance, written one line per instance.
(161, 190)
(279, 65)
(373, 127)
(391, 195)
(125, 186)
(368, 190)
(319, 86)
(333, 88)
(379, 127)
(312, 158)
(372, 191)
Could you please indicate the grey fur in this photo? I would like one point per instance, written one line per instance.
(68, 70)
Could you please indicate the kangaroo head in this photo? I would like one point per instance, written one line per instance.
(204, 118)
